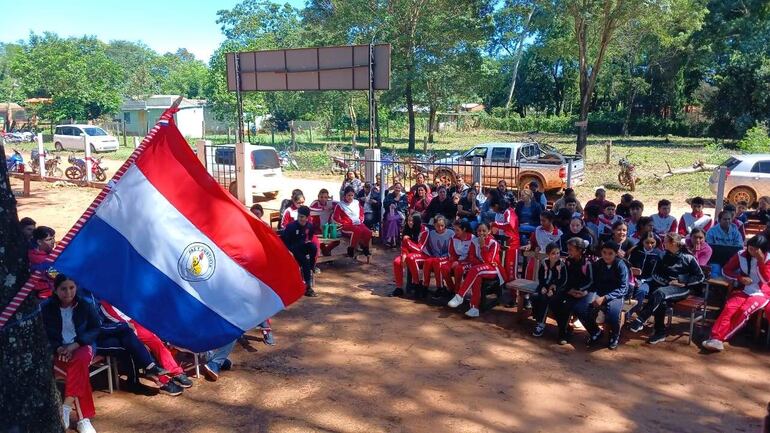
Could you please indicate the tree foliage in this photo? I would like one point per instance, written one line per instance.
(661, 63)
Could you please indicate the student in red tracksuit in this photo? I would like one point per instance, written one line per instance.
(321, 213)
(695, 219)
(40, 259)
(546, 233)
(509, 226)
(750, 269)
(290, 213)
(458, 264)
(72, 325)
(436, 251)
(350, 215)
(485, 256)
(412, 256)
(156, 347)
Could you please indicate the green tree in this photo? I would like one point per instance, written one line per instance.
(595, 25)
(83, 82)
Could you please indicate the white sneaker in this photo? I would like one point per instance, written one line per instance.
(456, 301)
(84, 426)
(713, 345)
(66, 410)
(473, 312)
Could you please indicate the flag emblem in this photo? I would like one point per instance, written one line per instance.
(197, 262)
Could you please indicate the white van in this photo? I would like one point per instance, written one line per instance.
(70, 137)
(263, 170)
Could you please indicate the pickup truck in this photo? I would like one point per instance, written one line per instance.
(517, 163)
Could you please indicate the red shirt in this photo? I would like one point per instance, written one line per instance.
(44, 287)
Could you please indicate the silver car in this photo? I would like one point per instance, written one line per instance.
(748, 178)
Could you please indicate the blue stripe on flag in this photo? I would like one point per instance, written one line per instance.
(97, 258)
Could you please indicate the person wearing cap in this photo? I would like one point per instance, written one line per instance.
(298, 238)
(538, 195)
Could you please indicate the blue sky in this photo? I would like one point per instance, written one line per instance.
(164, 25)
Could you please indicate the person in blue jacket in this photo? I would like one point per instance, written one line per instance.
(610, 285)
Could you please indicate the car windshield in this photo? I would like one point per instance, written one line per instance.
(94, 131)
(264, 159)
(731, 163)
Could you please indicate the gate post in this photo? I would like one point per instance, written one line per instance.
(41, 156)
(89, 175)
(720, 191)
(240, 172)
(477, 172)
(200, 150)
(371, 165)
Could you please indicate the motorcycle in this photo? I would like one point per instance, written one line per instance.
(51, 164)
(15, 164)
(627, 175)
(77, 171)
(287, 160)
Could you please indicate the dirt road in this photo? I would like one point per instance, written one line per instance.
(353, 360)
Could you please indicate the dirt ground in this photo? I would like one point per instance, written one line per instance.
(353, 360)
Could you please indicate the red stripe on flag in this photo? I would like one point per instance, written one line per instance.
(174, 170)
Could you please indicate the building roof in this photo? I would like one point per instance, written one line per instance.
(8, 106)
(159, 102)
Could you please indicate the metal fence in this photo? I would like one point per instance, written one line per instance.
(407, 171)
(220, 163)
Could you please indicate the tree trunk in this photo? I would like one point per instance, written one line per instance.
(410, 112)
(519, 52)
(629, 109)
(431, 123)
(28, 396)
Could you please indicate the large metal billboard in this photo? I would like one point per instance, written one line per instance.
(322, 68)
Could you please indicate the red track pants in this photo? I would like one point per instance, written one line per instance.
(413, 260)
(736, 312)
(433, 264)
(360, 235)
(511, 264)
(452, 274)
(78, 382)
(159, 351)
(476, 275)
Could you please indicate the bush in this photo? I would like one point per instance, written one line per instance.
(598, 123)
(756, 140)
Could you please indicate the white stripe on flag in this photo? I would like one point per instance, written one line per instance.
(160, 233)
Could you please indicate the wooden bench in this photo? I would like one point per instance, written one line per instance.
(99, 363)
(275, 219)
(343, 242)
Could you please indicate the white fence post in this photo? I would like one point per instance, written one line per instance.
(41, 155)
(240, 172)
(200, 151)
(477, 177)
(89, 176)
(721, 191)
(371, 164)
(569, 173)
(137, 142)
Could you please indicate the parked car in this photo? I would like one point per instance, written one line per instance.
(521, 162)
(263, 172)
(70, 137)
(748, 178)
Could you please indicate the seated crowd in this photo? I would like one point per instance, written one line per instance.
(585, 262)
(588, 260)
